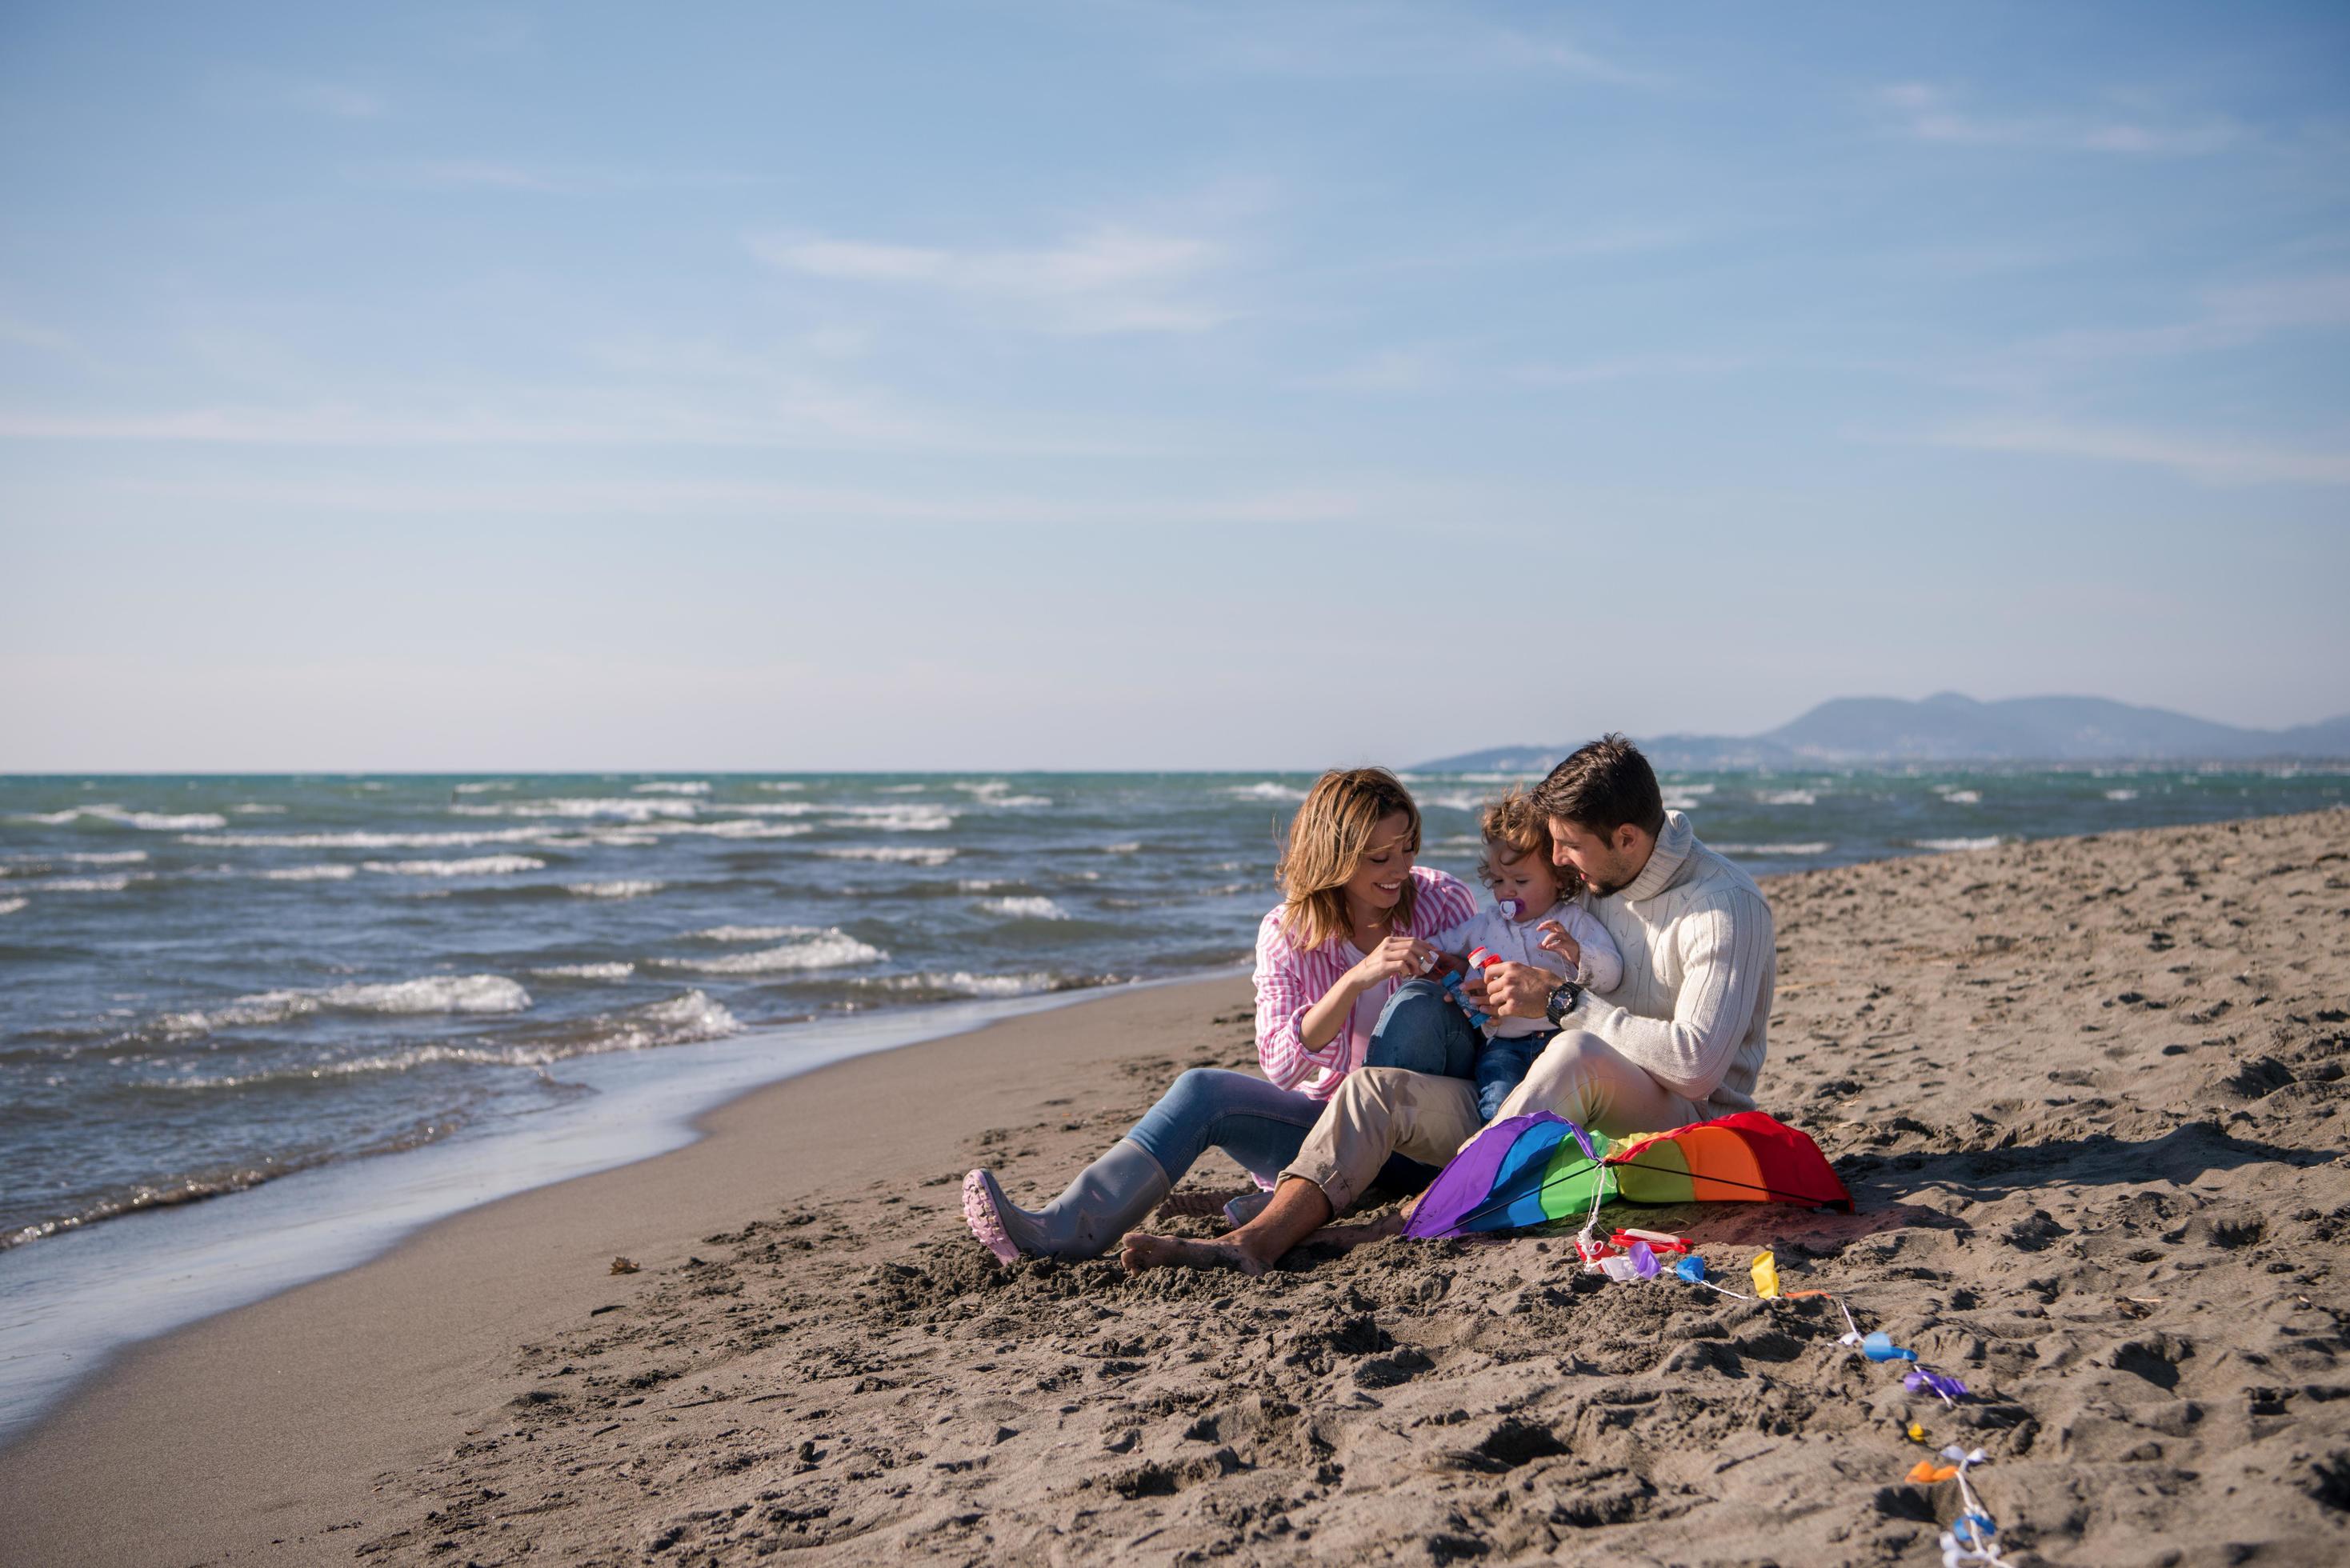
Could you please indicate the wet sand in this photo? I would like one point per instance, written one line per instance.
(2087, 1093)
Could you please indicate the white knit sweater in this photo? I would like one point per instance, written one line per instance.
(1699, 965)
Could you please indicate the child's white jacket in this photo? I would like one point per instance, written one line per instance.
(1513, 941)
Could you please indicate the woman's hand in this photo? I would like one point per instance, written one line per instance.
(1554, 939)
(1397, 957)
(1512, 989)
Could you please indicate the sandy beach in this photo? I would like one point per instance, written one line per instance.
(2087, 1094)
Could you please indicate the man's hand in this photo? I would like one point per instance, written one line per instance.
(1512, 989)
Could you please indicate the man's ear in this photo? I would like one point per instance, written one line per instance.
(1626, 835)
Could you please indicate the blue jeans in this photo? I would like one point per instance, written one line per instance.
(1501, 1066)
(1263, 1126)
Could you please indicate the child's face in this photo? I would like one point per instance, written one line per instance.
(1530, 879)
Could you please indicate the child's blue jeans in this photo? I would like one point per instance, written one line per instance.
(1501, 1066)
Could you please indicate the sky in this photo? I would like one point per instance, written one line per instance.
(1137, 384)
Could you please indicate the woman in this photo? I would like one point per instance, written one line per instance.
(1350, 930)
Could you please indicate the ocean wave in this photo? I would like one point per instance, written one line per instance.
(426, 994)
(1805, 848)
(963, 983)
(740, 827)
(484, 786)
(830, 947)
(1025, 909)
(2121, 795)
(81, 884)
(749, 933)
(773, 808)
(908, 819)
(890, 854)
(41, 864)
(696, 786)
(256, 808)
(626, 887)
(621, 971)
(446, 840)
(1123, 846)
(1946, 846)
(1681, 802)
(615, 838)
(624, 808)
(784, 786)
(997, 792)
(1267, 790)
(1456, 800)
(1692, 788)
(1963, 796)
(10, 906)
(479, 866)
(307, 874)
(1787, 797)
(146, 821)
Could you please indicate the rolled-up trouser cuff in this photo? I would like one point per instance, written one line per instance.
(1380, 1111)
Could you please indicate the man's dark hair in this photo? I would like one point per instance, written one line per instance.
(1602, 786)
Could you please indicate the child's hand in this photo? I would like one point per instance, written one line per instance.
(1555, 939)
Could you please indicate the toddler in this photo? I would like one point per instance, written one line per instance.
(1539, 918)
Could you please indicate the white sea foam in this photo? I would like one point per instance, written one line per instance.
(484, 786)
(980, 884)
(310, 874)
(1945, 845)
(1681, 802)
(788, 785)
(81, 884)
(773, 808)
(10, 906)
(1456, 800)
(370, 840)
(1025, 909)
(587, 970)
(984, 790)
(1013, 800)
(749, 933)
(2121, 795)
(740, 827)
(147, 821)
(624, 808)
(31, 865)
(1788, 849)
(829, 948)
(1787, 797)
(1123, 846)
(478, 866)
(1267, 790)
(1692, 788)
(1964, 797)
(908, 818)
(626, 887)
(891, 854)
(428, 993)
(969, 984)
(694, 787)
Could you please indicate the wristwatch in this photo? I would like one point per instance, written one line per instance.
(1562, 1001)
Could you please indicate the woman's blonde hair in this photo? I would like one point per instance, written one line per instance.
(1513, 827)
(1327, 838)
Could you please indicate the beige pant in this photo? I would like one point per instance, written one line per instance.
(1380, 1111)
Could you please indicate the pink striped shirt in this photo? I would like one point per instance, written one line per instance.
(1290, 979)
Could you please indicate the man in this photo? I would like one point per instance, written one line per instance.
(1682, 1040)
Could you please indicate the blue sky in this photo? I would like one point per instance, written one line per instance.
(1153, 385)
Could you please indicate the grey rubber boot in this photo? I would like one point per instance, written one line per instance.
(1109, 1198)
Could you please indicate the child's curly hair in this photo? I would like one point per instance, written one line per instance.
(1514, 829)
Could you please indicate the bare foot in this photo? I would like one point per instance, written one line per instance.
(1199, 1205)
(1140, 1250)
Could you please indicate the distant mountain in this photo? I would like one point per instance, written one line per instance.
(1952, 728)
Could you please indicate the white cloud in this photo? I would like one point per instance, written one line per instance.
(2221, 461)
(1109, 278)
(1928, 113)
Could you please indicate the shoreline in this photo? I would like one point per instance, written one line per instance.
(140, 1276)
(2086, 1092)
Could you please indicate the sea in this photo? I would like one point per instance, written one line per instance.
(254, 1027)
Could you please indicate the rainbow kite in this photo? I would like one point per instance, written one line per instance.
(1538, 1168)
